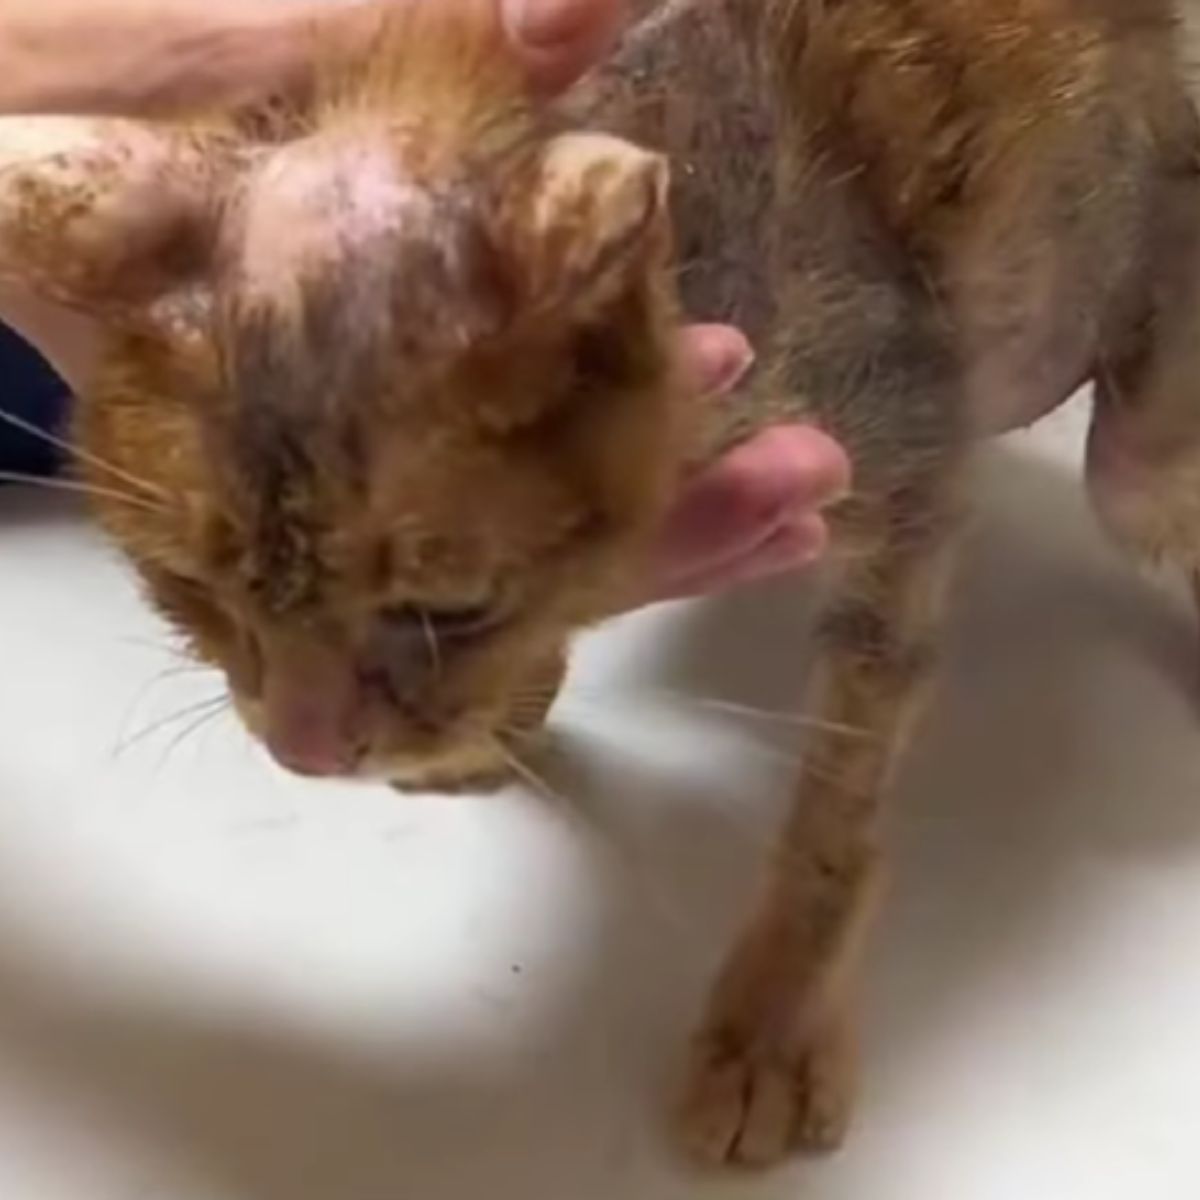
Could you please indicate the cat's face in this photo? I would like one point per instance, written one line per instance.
(398, 437)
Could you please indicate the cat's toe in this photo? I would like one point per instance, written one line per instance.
(450, 783)
(749, 1108)
(478, 770)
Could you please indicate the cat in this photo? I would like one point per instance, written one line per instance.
(389, 408)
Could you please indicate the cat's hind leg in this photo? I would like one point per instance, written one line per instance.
(1143, 451)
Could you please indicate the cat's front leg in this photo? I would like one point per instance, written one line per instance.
(772, 1065)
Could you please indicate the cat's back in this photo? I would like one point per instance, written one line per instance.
(1013, 153)
(996, 151)
(928, 104)
(926, 100)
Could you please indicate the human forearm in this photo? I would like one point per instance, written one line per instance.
(145, 56)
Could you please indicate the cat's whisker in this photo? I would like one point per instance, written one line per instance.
(163, 676)
(531, 740)
(211, 704)
(515, 731)
(431, 640)
(162, 646)
(209, 715)
(799, 721)
(529, 707)
(35, 431)
(535, 780)
(776, 717)
(83, 489)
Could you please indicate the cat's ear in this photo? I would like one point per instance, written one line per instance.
(599, 214)
(105, 217)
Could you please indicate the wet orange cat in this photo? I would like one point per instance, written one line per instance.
(390, 398)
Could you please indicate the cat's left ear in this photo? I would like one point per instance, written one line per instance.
(599, 214)
(105, 217)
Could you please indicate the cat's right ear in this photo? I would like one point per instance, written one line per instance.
(103, 216)
(598, 217)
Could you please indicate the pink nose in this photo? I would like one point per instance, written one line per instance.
(312, 711)
(307, 734)
(313, 754)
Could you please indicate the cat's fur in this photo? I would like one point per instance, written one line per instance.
(448, 389)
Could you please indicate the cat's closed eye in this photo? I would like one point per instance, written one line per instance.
(413, 643)
(460, 623)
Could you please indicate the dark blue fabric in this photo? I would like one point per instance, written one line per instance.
(31, 390)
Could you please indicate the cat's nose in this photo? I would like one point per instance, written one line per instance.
(309, 751)
(312, 711)
(312, 734)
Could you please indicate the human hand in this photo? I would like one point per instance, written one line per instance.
(755, 512)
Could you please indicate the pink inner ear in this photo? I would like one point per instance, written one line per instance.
(312, 706)
(599, 202)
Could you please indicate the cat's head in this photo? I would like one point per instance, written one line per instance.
(402, 405)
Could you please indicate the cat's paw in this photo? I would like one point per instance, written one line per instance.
(482, 768)
(452, 783)
(751, 1106)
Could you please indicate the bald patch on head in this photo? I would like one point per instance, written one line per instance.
(310, 199)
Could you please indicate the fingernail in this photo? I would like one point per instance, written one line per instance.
(803, 543)
(842, 489)
(735, 369)
(728, 366)
(834, 474)
(837, 494)
(812, 553)
(540, 23)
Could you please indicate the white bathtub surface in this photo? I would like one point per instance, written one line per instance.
(220, 983)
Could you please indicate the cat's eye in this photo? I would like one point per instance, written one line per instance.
(448, 624)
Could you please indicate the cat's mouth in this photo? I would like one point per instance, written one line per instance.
(318, 713)
(316, 739)
(322, 711)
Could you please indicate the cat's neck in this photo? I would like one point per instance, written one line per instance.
(685, 81)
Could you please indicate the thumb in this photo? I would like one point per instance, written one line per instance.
(561, 39)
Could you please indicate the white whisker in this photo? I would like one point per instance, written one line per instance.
(210, 714)
(36, 431)
(163, 676)
(751, 712)
(535, 781)
(435, 650)
(83, 489)
(713, 704)
(211, 705)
